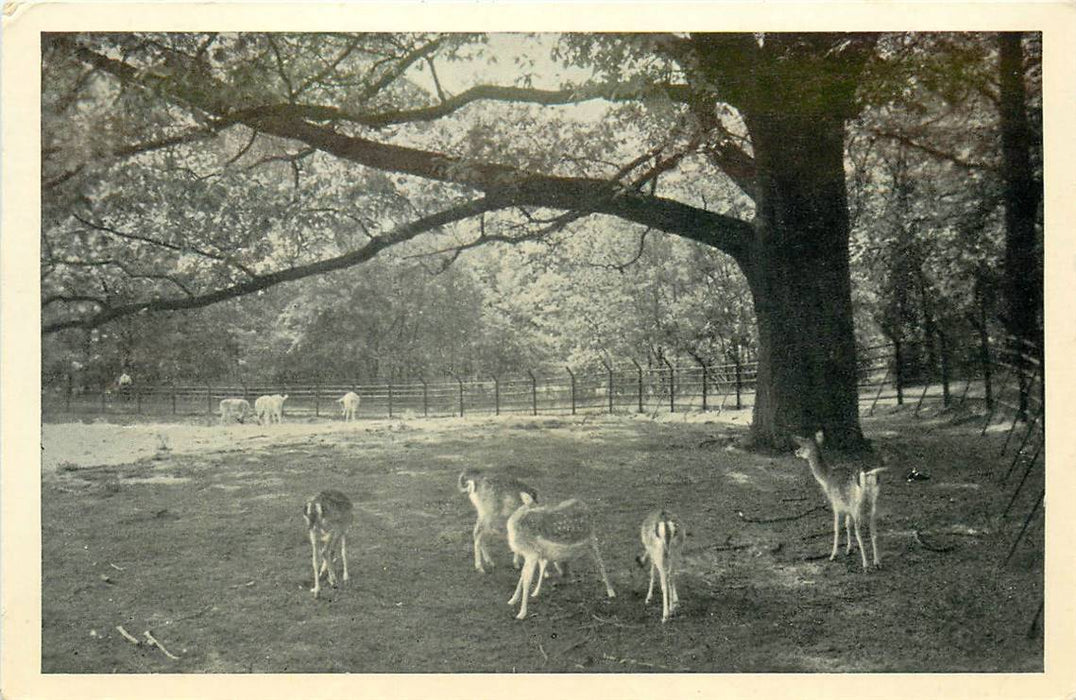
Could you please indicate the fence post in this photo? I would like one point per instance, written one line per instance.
(898, 364)
(460, 382)
(70, 391)
(572, 375)
(881, 387)
(138, 399)
(739, 378)
(208, 400)
(496, 395)
(984, 360)
(609, 386)
(944, 352)
(317, 397)
(425, 397)
(534, 393)
(919, 403)
(390, 397)
(704, 379)
(672, 385)
(639, 370)
(173, 397)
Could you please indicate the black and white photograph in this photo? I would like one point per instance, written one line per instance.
(667, 353)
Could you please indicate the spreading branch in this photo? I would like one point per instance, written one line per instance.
(258, 283)
(509, 185)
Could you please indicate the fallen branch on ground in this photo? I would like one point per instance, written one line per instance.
(778, 520)
(127, 635)
(152, 640)
(924, 545)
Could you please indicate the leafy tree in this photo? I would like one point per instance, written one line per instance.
(181, 170)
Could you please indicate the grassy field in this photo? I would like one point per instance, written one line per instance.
(196, 534)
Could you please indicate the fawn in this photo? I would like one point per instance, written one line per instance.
(328, 516)
(662, 535)
(852, 492)
(541, 534)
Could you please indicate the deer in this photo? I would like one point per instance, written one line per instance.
(852, 493)
(494, 497)
(328, 516)
(349, 405)
(541, 534)
(662, 535)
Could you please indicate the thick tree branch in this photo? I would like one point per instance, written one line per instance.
(226, 259)
(505, 185)
(369, 250)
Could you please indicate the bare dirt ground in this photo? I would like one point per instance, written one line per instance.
(195, 533)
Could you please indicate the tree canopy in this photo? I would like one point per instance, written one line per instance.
(184, 170)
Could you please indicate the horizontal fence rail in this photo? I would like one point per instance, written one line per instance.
(1005, 375)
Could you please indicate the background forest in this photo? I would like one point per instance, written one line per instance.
(923, 163)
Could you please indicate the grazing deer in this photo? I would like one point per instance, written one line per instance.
(349, 405)
(662, 536)
(328, 516)
(495, 497)
(852, 492)
(541, 534)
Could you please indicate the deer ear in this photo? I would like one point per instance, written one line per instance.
(819, 437)
(526, 498)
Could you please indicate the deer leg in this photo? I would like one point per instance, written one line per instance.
(529, 565)
(343, 553)
(650, 590)
(874, 539)
(847, 534)
(542, 563)
(859, 540)
(314, 560)
(663, 572)
(327, 559)
(478, 531)
(836, 533)
(601, 569)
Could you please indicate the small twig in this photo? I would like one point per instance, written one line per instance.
(728, 547)
(127, 635)
(924, 545)
(117, 568)
(241, 585)
(778, 520)
(154, 642)
(795, 498)
(544, 655)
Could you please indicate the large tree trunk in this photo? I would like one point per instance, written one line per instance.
(1023, 273)
(799, 275)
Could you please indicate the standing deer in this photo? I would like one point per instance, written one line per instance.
(851, 490)
(494, 497)
(328, 516)
(662, 535)
(541, 534)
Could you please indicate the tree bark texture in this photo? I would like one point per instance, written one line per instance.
(799, 277)
(1023, 273)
